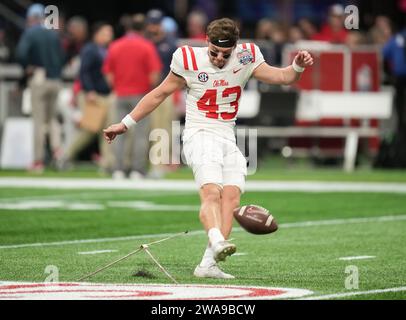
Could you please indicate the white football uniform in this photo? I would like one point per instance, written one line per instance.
(212, 99)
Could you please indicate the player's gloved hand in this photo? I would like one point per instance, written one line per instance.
(303, 59)
(112, 131)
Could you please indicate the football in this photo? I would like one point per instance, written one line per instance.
(255, 219)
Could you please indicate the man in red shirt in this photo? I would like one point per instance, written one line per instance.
(133, 68)
(333, 31)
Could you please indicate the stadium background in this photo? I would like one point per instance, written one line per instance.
(326, 213)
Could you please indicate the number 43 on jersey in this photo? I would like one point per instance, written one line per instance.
(208, 103)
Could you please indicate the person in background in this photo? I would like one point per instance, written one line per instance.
(41, 54)
(124, 24)
(354, 39)
(4, 48)
(75, 36)
(264, 28)
(170, 27)
(196, 25)
(162, 117)
(263, 34)
(394, 53)
(333, 31)
(295, 34)
(308, 28)
(166, 45)
(133, 68)
(95, 90)
(279, 38)
(381, 31)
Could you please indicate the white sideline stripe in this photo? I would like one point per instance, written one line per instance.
(199, 232)
(97, 194)
(349, 294)
(149, 206)
(190, 185)
(98, 240)
(356, 258)
(97, 251)
(68, 205)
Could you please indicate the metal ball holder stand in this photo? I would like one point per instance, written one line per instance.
(143, 247)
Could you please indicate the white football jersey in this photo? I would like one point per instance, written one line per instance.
(213, 94)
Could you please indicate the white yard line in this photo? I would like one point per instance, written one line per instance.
(58, 205)
(150, 206)
(98, 240)
(201, 232)
(356, 258)
(97, 251)
(190, 185)
(354, 293)
(97, 194)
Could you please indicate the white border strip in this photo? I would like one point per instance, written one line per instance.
(350, 294)
(190, 185)
(201, 232)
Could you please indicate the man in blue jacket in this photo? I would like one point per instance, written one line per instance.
(40, 53)
(394, 53)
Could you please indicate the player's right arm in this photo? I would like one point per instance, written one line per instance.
(147, 104)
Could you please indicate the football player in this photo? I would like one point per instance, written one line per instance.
(214, 78)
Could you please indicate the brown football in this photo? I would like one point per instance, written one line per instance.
(255, 219)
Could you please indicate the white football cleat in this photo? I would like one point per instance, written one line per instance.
(118, 175)
(222, 249)
(212, 271)
(135, 175)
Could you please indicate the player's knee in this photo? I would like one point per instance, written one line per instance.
(211, 194)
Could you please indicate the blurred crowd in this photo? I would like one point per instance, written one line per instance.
(115, 65)
(332, 31)
(112, 74)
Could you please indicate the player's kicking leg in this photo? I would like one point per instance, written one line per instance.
(208, 268)
(233, 181)
(218, 248)
(210, 216)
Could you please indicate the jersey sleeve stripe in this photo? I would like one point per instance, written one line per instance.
(244, 46)
(253, 51)
(185, 62)
(192, 54)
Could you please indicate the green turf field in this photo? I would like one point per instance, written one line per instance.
(316, 229)
(269, 168)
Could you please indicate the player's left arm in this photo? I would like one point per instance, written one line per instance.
(285, 76)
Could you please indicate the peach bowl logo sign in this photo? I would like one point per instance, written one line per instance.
(89, 291)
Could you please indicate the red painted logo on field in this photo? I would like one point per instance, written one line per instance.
(89, 291)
